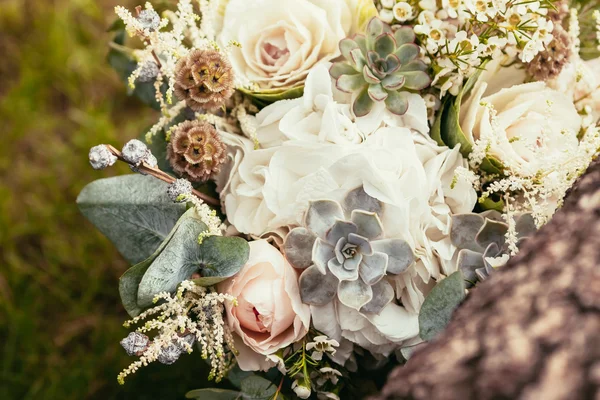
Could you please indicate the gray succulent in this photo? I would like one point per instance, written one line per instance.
(343, 251)
(480, 237)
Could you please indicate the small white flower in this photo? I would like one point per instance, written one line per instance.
(387, 3)
(301, 391)
(403, 11)
(328, 374)
(386, 15)
(497, 262)
(322, 344)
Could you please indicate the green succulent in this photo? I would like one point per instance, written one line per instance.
(380, 66)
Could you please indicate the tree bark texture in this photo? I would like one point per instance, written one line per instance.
(532, 331)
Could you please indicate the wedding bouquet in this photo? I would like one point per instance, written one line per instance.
(328, 179)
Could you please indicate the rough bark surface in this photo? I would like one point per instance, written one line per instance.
(532, 332)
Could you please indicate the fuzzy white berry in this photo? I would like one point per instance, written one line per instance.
(100, 157)
(135, 152)
(178, 188)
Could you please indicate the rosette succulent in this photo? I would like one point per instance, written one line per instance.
(343, 251)
(481, 240)
(380, 66)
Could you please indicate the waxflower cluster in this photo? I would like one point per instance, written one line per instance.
(321, 170)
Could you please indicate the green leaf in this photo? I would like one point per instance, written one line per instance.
(128, 286)
(236, 376)
(176, 259)
(257, 388)
(439, 305)
(213, 394)
(216, 259)
(450, 132)
(220, 258)
(265, 97)
(132, 211)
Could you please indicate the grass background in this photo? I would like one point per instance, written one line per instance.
(60, 314)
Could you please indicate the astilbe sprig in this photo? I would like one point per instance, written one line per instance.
(192, 312)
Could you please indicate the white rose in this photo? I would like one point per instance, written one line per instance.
(529, 118)
(581, 81)
(281, 40)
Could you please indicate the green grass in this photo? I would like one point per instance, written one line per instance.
(60, 315)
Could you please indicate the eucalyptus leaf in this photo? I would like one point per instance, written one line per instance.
(176, 261)
(213, 394)
(235, 376)
(439, 305)
(268, 96)
(133, 211)
(215, 259)
(257, 388)
(222, 257)
(128, 286)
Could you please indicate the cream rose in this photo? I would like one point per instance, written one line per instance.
(269, 314)
(519, 122)
(281, 40)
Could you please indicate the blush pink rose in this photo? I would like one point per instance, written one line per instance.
(269, 314)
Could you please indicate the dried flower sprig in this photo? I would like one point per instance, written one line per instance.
(142, 167)
(193, 314)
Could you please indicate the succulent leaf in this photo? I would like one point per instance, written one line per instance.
(392, 64)
(414, 65)
(346, 46)
(385, 44)
(397, 102)
(377, 92)
(403, 35)
(340, 68)
(363, 104)
(399, 252)
(373, 267)
(350, 83)
(369, 77)
(321, 215)
(383, 294)
(375, 28)
(354, 294)
(407, 53)
(416, 80)
(298, 247)
(357, 59)
(316, 288)
(393, 82)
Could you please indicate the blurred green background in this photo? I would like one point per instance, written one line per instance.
(60, 314)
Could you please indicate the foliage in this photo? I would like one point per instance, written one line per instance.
(440, 304)
(60, 315)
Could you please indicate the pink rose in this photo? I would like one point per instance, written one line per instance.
(269, 314)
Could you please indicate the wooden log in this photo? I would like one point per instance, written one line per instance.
(532, 331)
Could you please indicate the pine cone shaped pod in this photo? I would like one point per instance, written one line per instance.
(196, 151)
(204, 79)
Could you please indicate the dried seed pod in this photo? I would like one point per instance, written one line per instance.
(204, 79)
(196, 151)
(549, 63)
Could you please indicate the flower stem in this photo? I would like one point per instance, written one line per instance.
(163, 176)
